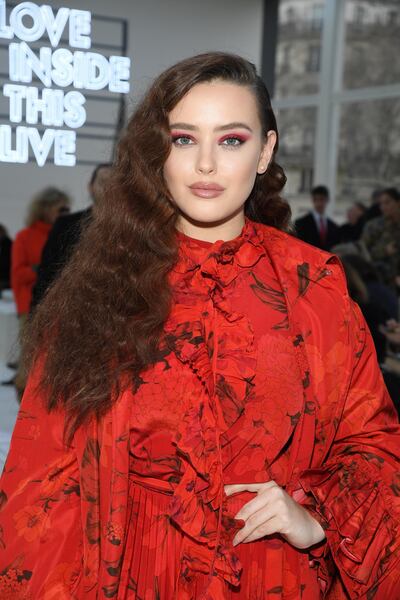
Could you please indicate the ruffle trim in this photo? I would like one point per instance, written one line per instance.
(199, 504)
(360, 530)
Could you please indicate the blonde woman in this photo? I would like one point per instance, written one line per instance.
(27, 248)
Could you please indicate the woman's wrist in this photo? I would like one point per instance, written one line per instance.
(318, 533)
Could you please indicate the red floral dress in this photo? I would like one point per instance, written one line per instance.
(266, 371)
(229, 326)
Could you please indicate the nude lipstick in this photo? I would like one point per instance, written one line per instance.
(205, 189)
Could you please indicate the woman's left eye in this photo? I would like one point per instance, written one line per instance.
(232, 141)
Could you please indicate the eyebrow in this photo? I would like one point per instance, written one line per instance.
(234, 125)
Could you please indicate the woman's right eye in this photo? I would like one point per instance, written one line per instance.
(182, 140)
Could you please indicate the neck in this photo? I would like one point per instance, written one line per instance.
(211, 232)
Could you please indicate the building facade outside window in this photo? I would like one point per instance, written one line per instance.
(337, 97)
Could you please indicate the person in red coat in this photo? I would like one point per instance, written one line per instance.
(43, 211)
(205, 418)
(27, 250)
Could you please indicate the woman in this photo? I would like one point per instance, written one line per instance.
(29, 242)
(227, 432)
(27, 248)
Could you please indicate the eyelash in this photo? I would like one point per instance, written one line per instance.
(239, 138)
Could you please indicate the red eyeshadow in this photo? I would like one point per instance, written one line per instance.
(180, 134)
(240, 136)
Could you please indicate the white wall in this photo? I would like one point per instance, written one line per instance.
(161, 32)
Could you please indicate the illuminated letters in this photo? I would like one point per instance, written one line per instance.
(79, 28)
(54, 25)
(16, 93)
(83, 70)
(43, 20)
(75, 113)
(64, 143)
(56, 107)
(17, 25)
(119, 78)
(23, 63)
(21, 152)
(56, 67)
(5, 30)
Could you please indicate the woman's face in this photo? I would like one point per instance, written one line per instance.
(217, 150)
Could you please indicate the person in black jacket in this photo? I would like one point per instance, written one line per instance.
(351, 230)
(5, 258)
(374, 209)
(65, 235)
(316, 228)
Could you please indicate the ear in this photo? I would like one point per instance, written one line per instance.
(266, 152)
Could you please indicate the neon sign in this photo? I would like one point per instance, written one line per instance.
(55, 68)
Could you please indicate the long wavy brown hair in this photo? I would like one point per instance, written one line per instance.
(101, 322)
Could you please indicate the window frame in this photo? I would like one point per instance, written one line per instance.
(331, 96)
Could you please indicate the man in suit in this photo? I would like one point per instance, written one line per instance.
(316, 228)
(64, 236)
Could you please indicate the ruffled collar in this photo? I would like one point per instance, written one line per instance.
(220, 259)
(204, 276)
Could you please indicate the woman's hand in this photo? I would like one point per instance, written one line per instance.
(274, 511)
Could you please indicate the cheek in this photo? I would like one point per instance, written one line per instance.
(170, 171)
(175, 168)
(242, 167)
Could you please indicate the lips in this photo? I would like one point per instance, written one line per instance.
(206, 189)
(204, 185)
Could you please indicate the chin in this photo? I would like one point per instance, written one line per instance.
(207, 212)
(207, 219)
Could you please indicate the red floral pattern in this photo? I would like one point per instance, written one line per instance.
(266, 371)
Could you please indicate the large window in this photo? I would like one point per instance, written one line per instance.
(368, 148)
(337, 97)
(298, 50)
(296, 148)
(371, 44)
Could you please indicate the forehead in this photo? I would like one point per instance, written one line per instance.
(215, 103)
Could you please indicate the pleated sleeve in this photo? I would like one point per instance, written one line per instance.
(356, 492)
(40, 524)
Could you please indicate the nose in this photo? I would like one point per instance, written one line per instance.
(206, 163)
